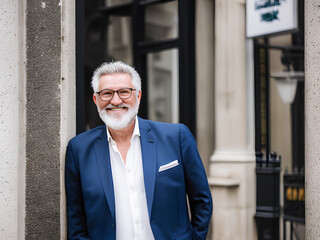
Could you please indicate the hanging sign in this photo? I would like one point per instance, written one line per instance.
(266, 17)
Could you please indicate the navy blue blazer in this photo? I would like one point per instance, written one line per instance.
(89, 185)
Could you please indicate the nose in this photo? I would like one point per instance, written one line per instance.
(116, 100)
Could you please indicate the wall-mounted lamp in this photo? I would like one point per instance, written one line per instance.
(287, 82)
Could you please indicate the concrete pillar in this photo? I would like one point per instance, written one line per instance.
(232, 169)
(68, 96)
(50, 113)
(12, 119)
(43, 40)
(205, 83)
(312, 116)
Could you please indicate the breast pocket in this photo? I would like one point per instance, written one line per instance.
(170, 196)
(174, 170)
(171, 179)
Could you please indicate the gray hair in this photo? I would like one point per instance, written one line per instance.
(115, 67)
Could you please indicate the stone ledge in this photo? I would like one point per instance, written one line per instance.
(224, 182)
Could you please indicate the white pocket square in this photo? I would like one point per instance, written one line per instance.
(168, 166)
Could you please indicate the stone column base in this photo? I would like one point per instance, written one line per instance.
(232, 180)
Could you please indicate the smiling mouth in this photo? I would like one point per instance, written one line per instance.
(116, 109)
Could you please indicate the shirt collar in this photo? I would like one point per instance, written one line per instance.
(136, 130)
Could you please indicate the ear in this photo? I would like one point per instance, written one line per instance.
(139, 96)
(95, 99)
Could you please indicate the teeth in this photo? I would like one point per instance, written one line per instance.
(115, 109)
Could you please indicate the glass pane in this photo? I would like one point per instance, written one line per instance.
(119, 39)
(110, 3)
(161, 21)
(163, 86)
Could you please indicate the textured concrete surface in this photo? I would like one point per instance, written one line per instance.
(312, 115)
(68, 97)
(11, 119)
(43, 36)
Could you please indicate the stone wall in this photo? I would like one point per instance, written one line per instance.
(312, 116)
(12, 119)
(43, 113)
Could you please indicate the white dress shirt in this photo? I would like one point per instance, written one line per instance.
(132, 218)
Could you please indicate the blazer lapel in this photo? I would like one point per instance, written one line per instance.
(103, 159)
(148, 149)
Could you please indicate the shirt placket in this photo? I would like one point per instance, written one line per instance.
(122, 167)
(133, 192)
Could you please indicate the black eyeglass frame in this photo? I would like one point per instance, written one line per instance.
(117, 91)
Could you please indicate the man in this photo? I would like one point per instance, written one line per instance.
(129, 180)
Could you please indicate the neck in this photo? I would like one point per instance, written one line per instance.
(124, 134)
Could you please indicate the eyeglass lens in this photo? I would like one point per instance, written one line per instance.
(123, 93)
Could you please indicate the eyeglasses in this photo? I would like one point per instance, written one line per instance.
(123, 93)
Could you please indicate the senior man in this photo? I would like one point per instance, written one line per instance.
(130, 178)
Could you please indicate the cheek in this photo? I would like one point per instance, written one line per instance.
(102, 104)
(133, 101)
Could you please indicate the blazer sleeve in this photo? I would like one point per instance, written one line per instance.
(76, 218)
(197, 186)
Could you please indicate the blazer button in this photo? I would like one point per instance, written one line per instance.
(113, 226)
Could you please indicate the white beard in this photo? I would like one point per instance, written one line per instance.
(115, 122)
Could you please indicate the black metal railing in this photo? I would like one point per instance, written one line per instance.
(268, 196)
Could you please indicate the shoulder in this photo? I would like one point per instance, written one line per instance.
(146, 124)
(89, 136)
(164, 128)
